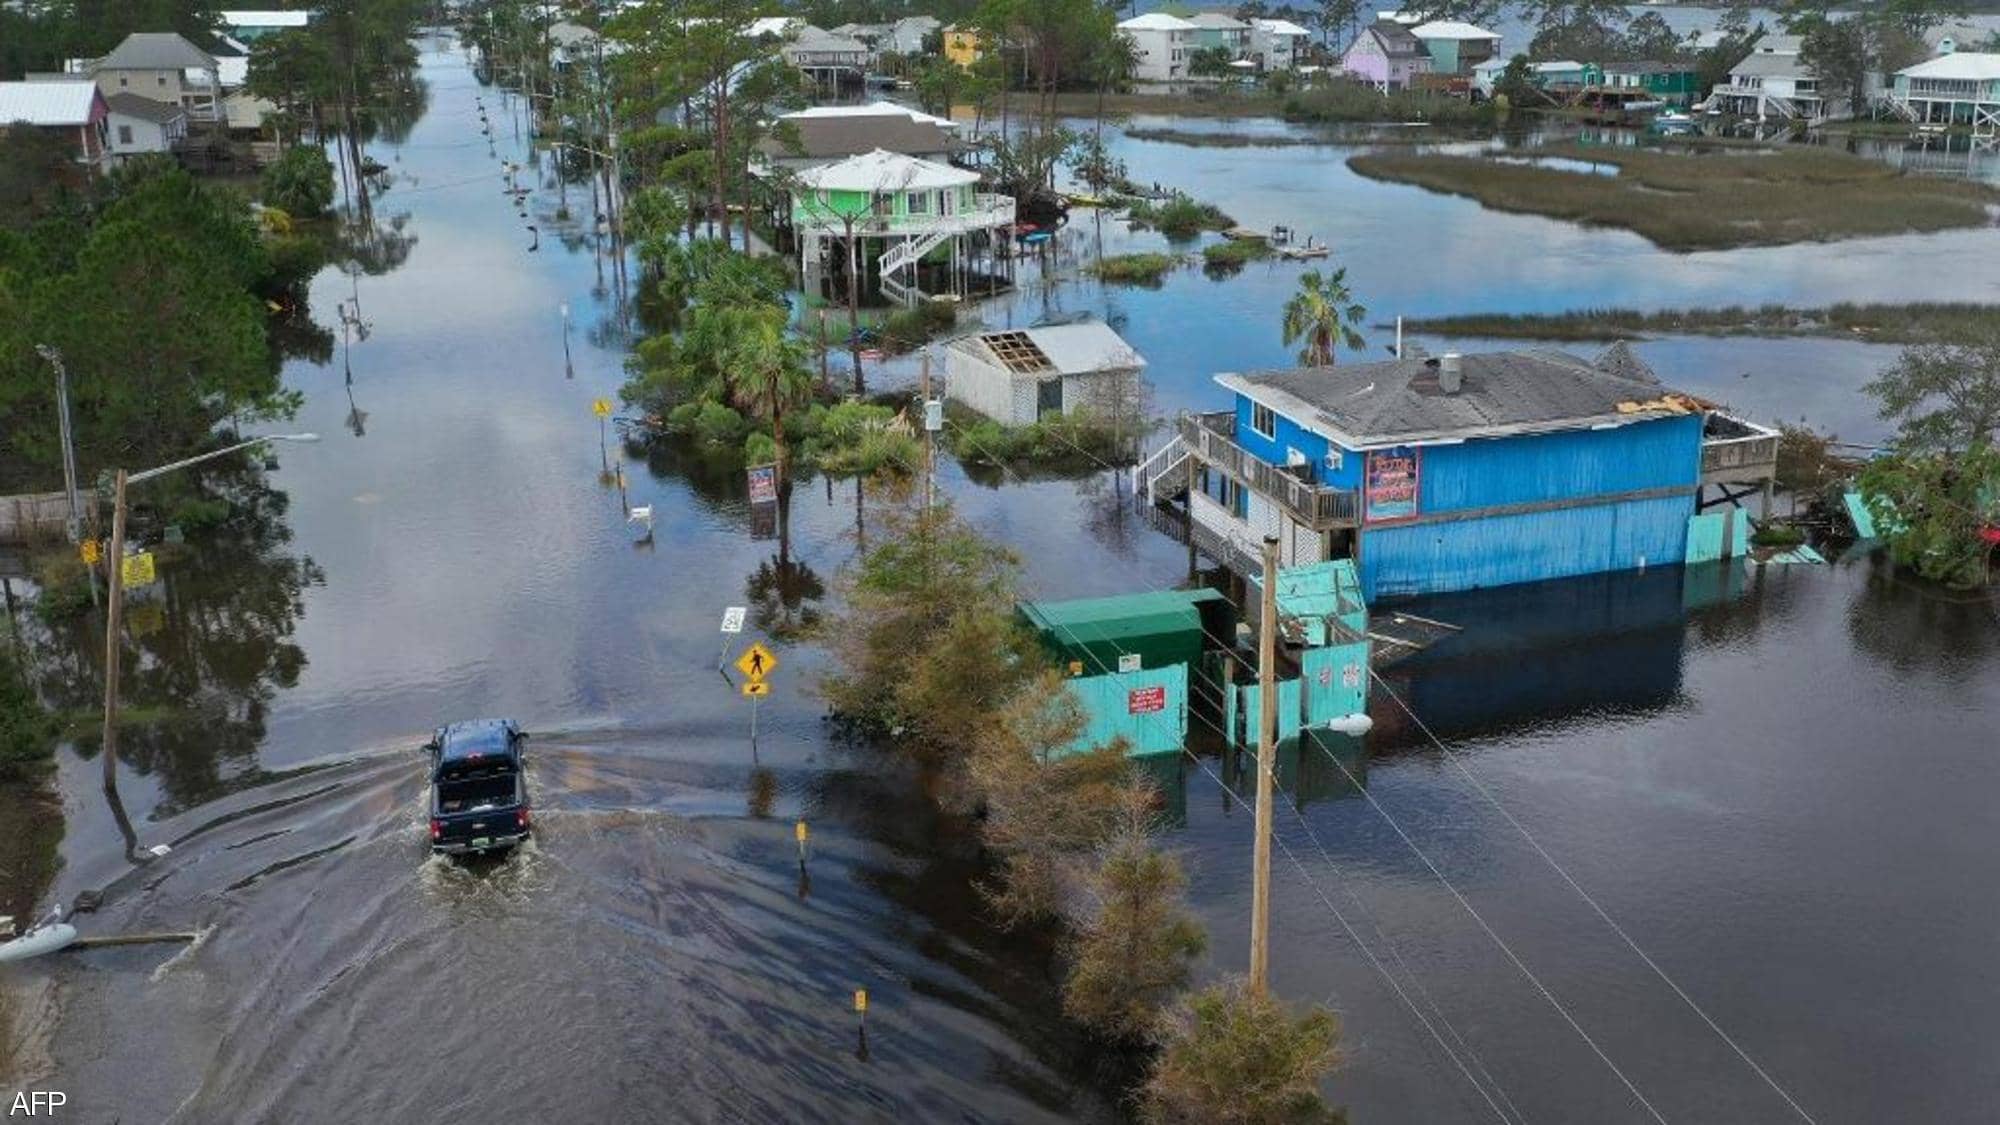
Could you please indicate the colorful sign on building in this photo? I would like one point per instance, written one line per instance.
(1146, 700)
(1389, 484)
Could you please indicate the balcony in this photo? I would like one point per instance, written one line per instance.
(1737, 452)
(1211, 439)
(988, 210)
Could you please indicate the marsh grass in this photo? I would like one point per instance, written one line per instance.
(1914, 323)
(1704, 200)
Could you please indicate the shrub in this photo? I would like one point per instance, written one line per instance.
(300, 182)
(1180, 218)
(759, 448)
(716, 423)
(905, 329)
(64, 584)
(1135, 269)
(1774, 534)
(1239, 1056)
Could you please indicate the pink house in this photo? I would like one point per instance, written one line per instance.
(1386, 56)
(72, 110)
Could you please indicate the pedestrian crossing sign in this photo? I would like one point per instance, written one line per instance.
(757, 662)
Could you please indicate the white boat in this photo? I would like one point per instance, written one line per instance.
(40, 940)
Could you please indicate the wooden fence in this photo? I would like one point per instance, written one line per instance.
(33, 517)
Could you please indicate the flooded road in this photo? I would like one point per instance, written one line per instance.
(1775, 783)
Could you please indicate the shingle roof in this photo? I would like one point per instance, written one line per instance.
(145, 109)
(1396, 40)
(820, 137)
(1399, 401)
(156, 50)
(1770, 66)
(47, 104)
(1649, 66)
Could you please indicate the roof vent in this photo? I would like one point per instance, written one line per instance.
(1451, 373)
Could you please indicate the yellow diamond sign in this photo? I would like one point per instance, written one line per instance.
(756, 663)
(89, 551)
(601, 407)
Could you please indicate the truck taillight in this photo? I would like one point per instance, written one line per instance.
(521, 817)
(437, 829)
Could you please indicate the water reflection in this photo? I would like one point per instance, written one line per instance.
(208, 647)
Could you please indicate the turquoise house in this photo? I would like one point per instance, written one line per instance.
(1961, 88)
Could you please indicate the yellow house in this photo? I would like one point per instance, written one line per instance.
(963, 45)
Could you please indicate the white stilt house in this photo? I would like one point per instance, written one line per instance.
(894, 211)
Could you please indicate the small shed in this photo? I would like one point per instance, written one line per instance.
(1135, 661)
(1016, 376)
(139, 125)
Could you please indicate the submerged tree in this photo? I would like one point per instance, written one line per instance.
(1133, 955)
(1238, 1056)
(1324, 314)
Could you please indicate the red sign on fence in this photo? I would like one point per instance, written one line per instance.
(1146, 700)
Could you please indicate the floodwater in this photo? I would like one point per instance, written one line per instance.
(1774, 782)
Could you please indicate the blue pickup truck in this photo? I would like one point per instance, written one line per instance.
(479, 792)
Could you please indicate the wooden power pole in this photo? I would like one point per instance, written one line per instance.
(1267, 752)
(924, 391)
(114, 569)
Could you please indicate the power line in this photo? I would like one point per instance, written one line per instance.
(1463, 902)
(1563, 872)
(1354, 935)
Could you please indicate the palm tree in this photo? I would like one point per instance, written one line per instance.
(1323, 314)
(767, 372)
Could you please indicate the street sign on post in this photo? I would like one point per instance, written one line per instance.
(732, 619)
(136, 570)
(757, 662)
(763, 483)
(602, 407)
(756, 687)
(89, 551)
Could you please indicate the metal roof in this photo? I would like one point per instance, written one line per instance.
(1452, 29)
(1058, 349)
(1400, 402)
(47, 104)
(1218, 21)
(881, 171)
(1959, 64)
(264, 18)
(871, 109)
(1156, 21)
(1121, 616)
(156, 50)
(145, 109)
(1278, 27)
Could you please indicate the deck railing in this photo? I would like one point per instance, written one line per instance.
(1754, 457)
(1211, 438)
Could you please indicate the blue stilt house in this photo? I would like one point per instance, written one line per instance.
(1435, 474)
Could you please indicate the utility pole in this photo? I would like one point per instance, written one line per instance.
(114, 569)
(569, 370)
(924, 390)
(55, 360)
(1267, 752)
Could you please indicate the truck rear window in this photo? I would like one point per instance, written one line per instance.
(467, 795)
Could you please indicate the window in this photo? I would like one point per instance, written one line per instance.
(1048, 397)
(123, 81)
(1263, 420)
(160, 78)
(920, 203)
(124, 134)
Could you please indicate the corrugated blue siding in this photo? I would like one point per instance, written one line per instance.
(1291, 435)
(1500, 550)
(1576, 463)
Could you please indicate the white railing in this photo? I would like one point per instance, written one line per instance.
(908, 251)
(987, 210)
